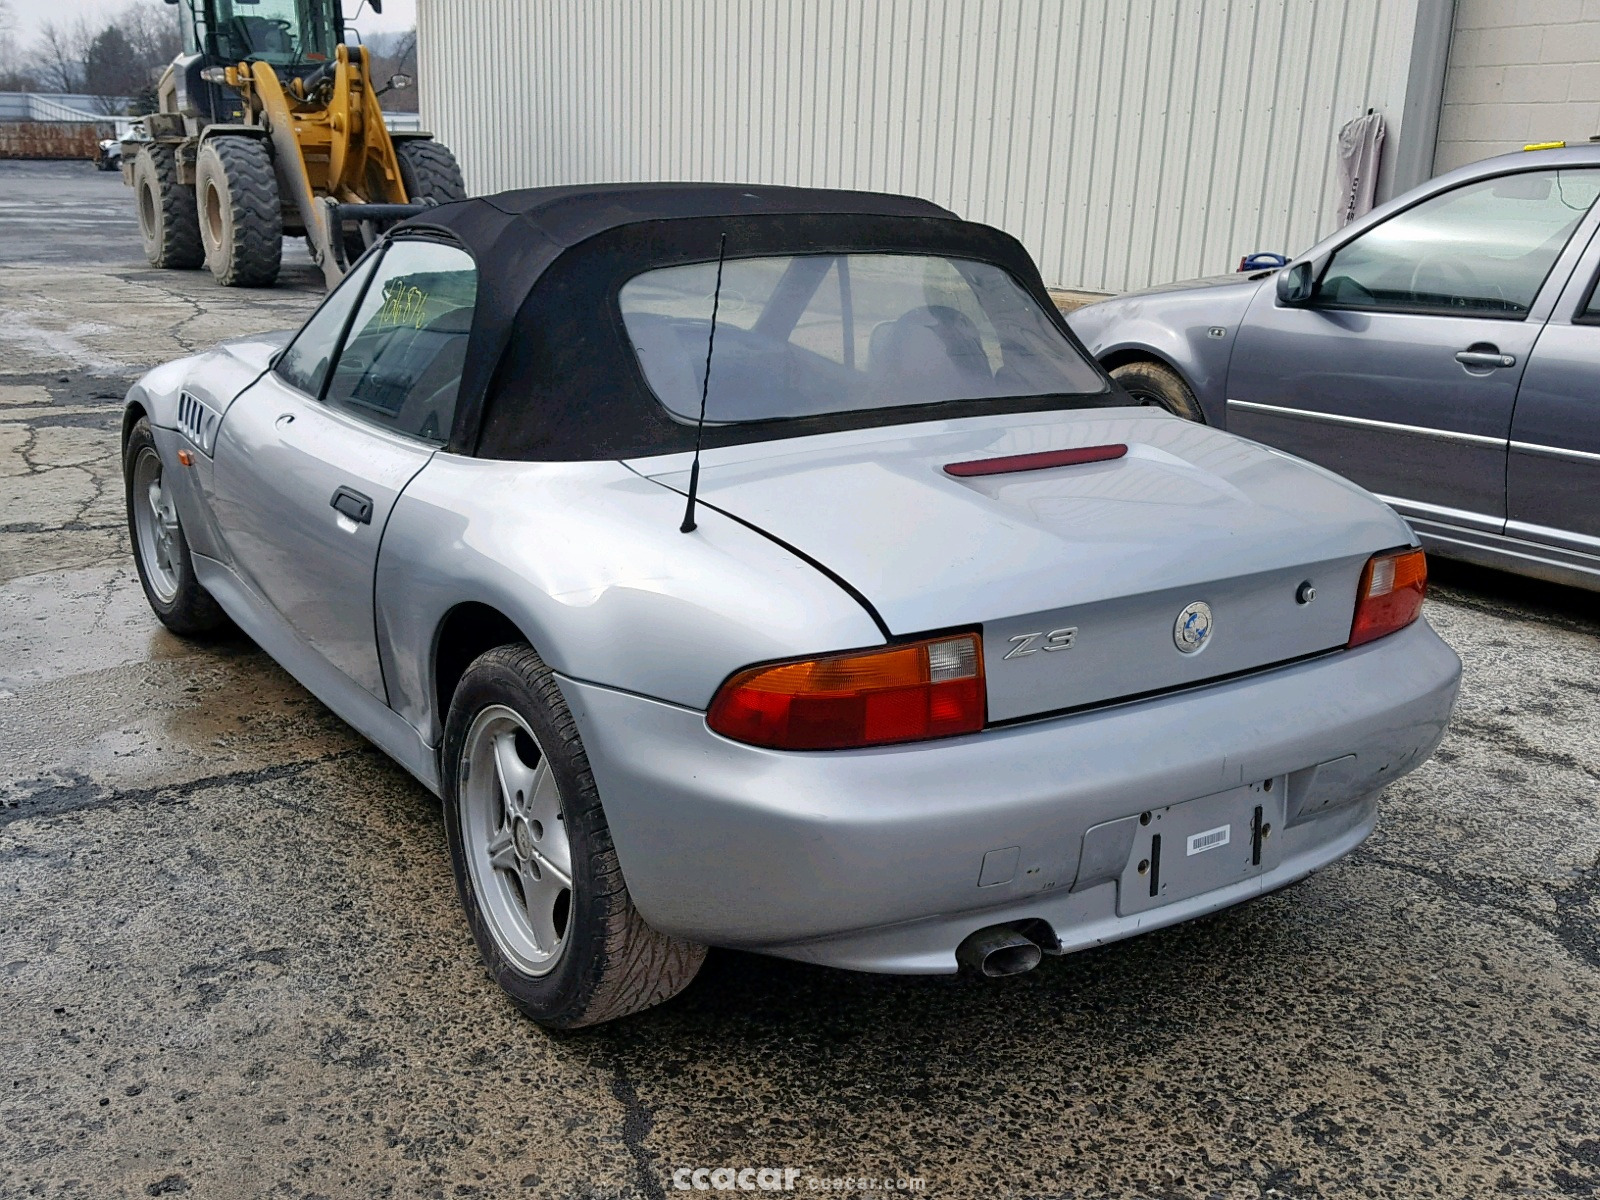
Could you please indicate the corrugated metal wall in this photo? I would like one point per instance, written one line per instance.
(1125, 142)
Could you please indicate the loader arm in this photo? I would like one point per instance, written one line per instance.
(341, 152)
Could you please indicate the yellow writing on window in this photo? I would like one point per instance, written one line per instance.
(403, 304)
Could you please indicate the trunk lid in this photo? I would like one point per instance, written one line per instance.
(1113, 550)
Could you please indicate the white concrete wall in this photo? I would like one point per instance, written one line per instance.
(1520, 71)
(1125, 142)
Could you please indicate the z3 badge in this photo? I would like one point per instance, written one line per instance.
(1032, 643)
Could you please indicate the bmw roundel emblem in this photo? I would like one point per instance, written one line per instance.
(1192, 631)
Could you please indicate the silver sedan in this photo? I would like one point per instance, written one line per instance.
(1441, 351)
(773, 569)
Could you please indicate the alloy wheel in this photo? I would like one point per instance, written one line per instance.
(513, 831)
(155, 521)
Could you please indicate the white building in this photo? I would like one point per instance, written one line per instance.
(1125, 142)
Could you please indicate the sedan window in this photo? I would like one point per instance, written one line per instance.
(824, 333)
(401, 365)
(1484, 248)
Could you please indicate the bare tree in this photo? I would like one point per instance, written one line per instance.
(13, 77)
(8, 36)
(60, 51)
(152, 31)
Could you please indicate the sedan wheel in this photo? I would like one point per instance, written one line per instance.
(534, 864)
(1158, 385)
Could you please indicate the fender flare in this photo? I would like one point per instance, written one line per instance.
(216, 131)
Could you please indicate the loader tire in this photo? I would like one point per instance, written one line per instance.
(241, 224)
(168, 222)
(429, 172)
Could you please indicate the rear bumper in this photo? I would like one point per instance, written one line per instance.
(872, 859)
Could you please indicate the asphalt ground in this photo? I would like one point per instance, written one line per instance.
(231, 961)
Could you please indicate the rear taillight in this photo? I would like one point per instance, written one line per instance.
(1390, 595)
(903, 693)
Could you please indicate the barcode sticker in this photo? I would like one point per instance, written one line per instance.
(1199, 843)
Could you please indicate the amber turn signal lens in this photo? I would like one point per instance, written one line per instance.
(904, 693)
(1390, 595)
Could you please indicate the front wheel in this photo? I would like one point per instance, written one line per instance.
(533, 859)
(160, 551)
(1159, 385)
(241, 224)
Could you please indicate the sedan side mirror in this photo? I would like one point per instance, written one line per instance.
(1297, 283)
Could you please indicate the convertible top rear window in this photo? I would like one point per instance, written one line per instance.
(805, 335)
(553, 374)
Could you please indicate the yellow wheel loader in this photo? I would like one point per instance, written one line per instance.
(269, 126)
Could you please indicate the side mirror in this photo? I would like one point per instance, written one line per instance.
(1297, 283)
(399, 81)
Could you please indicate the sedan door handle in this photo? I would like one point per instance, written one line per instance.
(1485, 358)
(351, 503)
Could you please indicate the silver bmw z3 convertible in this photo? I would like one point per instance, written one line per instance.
(772, 568)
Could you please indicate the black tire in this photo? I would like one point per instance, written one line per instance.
(1153, 383)
(168, 222)
(429, 171)
(241, 225)
(610, 963)
(175, 595)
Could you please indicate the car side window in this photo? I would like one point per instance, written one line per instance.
(1590, 313)
(401, 365)
(306, 360)
(1485, 248)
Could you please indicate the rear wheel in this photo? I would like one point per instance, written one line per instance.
(241, 224)
(534, 864)
(168, 223)
(160, 551)
(429, 171)
(1153, 383)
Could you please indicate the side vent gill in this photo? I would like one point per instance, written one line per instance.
(198, 422)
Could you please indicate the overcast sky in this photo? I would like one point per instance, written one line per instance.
(30, 14)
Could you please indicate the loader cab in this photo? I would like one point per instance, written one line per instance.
(294, 36)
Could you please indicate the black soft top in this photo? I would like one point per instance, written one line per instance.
(550, 372)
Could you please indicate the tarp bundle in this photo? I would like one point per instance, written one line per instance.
(1360, 151)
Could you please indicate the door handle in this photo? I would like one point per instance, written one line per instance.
(351, 503)
(1488, 356)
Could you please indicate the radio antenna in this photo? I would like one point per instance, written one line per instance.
(705, 389)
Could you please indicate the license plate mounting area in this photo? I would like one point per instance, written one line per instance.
(1187, 849)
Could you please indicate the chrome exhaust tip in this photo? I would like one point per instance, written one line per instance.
(998, 951)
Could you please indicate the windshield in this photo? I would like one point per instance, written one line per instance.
(280, 32)
(802, 335)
